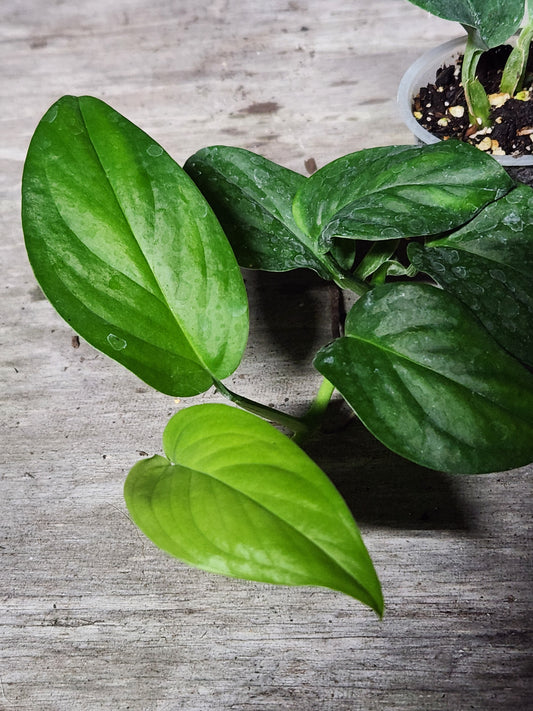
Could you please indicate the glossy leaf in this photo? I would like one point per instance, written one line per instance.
(495, 20)
(128, 251)
(398, 191)
(252, 198)
(235, 496)
(488, 265)
(427, 380)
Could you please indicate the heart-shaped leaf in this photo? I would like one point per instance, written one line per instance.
(398, 191)
(252, 197)
(128, 251)
(237, 497)
(428, 380)
(495, 20)
(488, 265)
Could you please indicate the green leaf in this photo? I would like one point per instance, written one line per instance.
(515, 68)
(235, 496)
(475, 95)
(343, 252)
(398, 191)
(428, 381)
(128, 251)
(488, 265)
(495, 20)
(378, 254)
(252, 198)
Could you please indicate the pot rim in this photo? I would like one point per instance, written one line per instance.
(423, 71)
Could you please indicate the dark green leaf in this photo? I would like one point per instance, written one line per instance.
(488, 265)
(428, 381)
(237, 497)
(252, 198)
(496, 20)
(398, 191)
(128, 251)
(343, 252)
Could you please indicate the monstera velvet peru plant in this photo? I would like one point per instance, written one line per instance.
(488, 24)
(143, 259)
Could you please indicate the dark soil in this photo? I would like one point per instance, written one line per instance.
(511, 132)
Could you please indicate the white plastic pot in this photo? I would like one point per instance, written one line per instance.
(421, 73)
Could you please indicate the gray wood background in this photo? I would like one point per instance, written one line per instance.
(92, 615)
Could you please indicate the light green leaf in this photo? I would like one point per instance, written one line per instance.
(427, 380)
(128, 251)
(475, 94)
(495, 20)
(515, 68)
(237, 497)
(398, 191)
(488, 265)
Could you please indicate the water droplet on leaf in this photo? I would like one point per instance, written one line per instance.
(438, 267)
(154, 150)
(117, 343)
(476, 288)
(497, 274)
(514, 221)
(390, 233)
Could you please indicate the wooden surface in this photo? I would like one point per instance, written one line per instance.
(93, 617)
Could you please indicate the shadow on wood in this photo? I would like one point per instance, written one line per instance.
(382, 488)
(293, 307)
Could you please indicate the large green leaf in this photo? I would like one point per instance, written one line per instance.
(488, 265)
(428, 381)
(237, 497)
(398, 191)
(128, 251)
(252, 197)
(495, 20)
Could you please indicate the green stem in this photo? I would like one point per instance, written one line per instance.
(344, 279)
(377, 255)
(316, 410)
(296, 424)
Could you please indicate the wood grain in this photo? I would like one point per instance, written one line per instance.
(93, 617)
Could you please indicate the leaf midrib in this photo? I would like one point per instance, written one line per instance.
(401, 356)
(378, 191)
(163, 298)
(249, 497)
(293, 228)
(159, 347)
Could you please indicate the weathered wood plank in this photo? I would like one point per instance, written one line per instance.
(93, 616)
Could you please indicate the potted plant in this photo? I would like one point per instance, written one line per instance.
(476, 87)
(142, 258)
